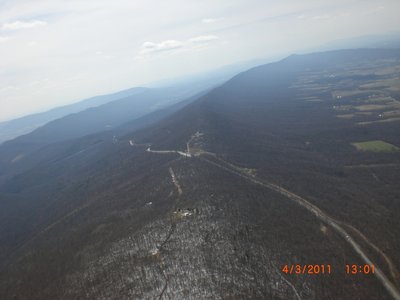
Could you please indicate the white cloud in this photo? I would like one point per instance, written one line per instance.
(203, 39)
(173, 45)
(211, 20)
(168, 45)
(22, 25)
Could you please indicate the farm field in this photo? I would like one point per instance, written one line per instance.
(375, 146)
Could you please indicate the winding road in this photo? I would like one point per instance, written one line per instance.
(322, 216)
(389, 286)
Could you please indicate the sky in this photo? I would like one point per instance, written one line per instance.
(55, 52)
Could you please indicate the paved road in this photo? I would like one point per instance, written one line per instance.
(169, 151)
(389, 286)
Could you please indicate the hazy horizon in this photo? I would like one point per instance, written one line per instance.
(58, 52)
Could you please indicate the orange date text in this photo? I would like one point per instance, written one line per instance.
(306, 269)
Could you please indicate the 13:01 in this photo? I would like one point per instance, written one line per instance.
(357, 269)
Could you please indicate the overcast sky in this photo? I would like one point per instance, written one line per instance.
(56, 52)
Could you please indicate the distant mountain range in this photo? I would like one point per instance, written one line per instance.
(388, 40)
(182, 87)
(20, 126)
